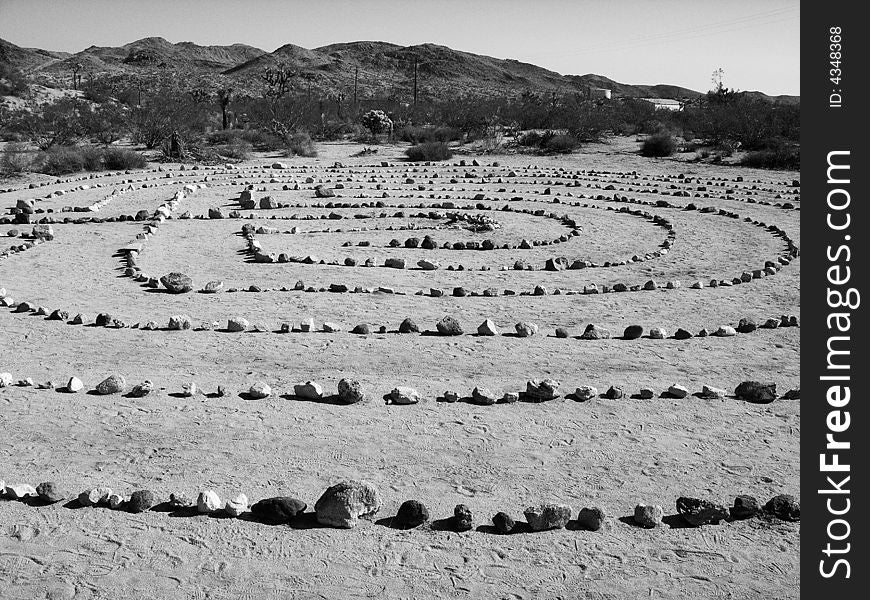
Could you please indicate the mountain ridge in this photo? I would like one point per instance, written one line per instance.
(371, 67)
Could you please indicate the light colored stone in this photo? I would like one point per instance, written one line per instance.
(309, 389)
(343, 504)
(208, 502)
(403, 395)
(237, 505)
(678, 391)
(586, 392)
(487, 328)
(189, 389)
(260, 390)
(547, 516)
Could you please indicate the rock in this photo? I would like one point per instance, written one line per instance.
(547, 516)
(343, 504)
(648, 515)
(95, 496)
(593, 332)
(427, 265)
(525, 329)
(208, 502)
(614, 392)
(592, 518)
(21, 491)
(177, 283)
(541, 390)
(585, 392)
(412, 513)
(633, 332)
(237, 324)
(561, 332)
(361, 329)
(682, 334)
(403, 395)
(310, 389)
(189, 389)
(350, 391)
(462, 519)
(646, 393)
(650, 285)
(306, 325)
(712, 392)
(179, 500)
(281, 509)
(503, 522)
(322, 191)
(143, 389)
(259, 390)
(658, 333)
(449, 326)
(215, 213)
(268, 202)
(50, 492)
(510, 398)
(784, 507)
(792, 394)
(113, 384)
(395, 263)
(236, 506)
(556, 264)
(725, 331)
(213, 287)
(483, 396)
(140, 501)
(754, 391)
(103, 320)
(116, 501)
(487, 328)
(678, 391)
(408, 326)
(179, 322)
(746, 326)
(745, 507)
(74, 385)
(330, 328)
(697, 512)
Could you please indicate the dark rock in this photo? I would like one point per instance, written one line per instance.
(361, 329)
(449, 326)
(50, 492)
(745, 507)
(754, 391)
(140, 501)
(614, 393)
(412, 513)
(408, 326)
(350, 391)
(697, 512)
(503, 522)
(591, 518)
(682, 334)
(747, 326)
(561, 332)
(784, 507)
(633, 332)
(462, 519)
(177, 283)
(281, 509)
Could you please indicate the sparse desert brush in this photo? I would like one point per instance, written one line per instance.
(118, 159)
(59, 160)
(15, 159)
(377, 122)
(559, 144)
(778, 157)
(238, 149)
(92, 158)
(658, 145)
(429, 151)
(300, 144)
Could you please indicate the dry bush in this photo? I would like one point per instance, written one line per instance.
(300, 144)
(658, 145)
(429, 151)
(15, 159)
(118, 159)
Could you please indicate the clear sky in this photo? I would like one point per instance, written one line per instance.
(678, 42)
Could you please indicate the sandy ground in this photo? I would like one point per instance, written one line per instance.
(608, 453)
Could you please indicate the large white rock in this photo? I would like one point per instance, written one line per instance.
(208, 502)
(343, 504)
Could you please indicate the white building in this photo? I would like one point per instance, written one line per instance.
(664, 103)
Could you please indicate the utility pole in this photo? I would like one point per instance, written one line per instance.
(415, 80)
(355, 82)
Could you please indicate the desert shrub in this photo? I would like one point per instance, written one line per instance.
(300, 144)
(561, 144)
(117, 159)
(429, 151)
(14, 159)
(59, 160)
(377, 122)
(92, 158)
(530, 139)
(12, 82)
(777, 155)
(238, 149)
(659, 144)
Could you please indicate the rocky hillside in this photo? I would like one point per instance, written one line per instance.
(378, 68)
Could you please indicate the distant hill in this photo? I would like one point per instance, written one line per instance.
(379, 68)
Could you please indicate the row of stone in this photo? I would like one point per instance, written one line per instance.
(345, 503)
(351, 391)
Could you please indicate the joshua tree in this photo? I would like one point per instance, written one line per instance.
(225, 96)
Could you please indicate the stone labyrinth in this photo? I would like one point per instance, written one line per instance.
(420, 232)
(230, 332)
